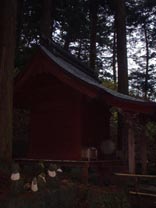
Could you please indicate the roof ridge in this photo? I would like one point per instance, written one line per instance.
(57, 50)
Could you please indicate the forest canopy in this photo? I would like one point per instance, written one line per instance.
(87, 29)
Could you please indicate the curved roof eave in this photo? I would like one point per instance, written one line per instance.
(111, 97)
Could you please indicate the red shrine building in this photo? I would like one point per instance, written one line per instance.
(70, 110)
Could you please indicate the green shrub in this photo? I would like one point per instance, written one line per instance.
(108, 200)
(56, 193)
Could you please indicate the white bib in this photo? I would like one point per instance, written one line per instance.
(52, 173)
(34, 187)
(15, 176)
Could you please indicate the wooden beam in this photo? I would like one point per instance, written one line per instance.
(142, 194)
(135, 175)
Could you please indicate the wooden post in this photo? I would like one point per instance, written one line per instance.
(131, 148)
(142, 145)
(85, 173)
(122, 135)
(143, 149)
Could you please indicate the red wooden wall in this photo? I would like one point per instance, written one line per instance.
(55, 120)
(65, 116)
(63, 120)
(96, 126)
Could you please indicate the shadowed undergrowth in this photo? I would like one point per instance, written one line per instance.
(59, 192)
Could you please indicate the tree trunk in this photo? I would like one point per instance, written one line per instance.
(147, 62)
(114, 58)
(20, 12)
(53, 9)
(46, 27)
(79, 49)
(67, 40)
(7, 54)
(121, 47)
(93, 31)
(120, 21)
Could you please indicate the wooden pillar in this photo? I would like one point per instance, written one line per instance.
(130, 120)
(143, 153)
(85, 176)
(122, 135)
(133, 121)
(131, 148)
(142, 144)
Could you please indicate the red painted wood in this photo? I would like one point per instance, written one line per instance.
(129, 105)
(41, 64)
(55, 121)
(67, 113)
(95, 124)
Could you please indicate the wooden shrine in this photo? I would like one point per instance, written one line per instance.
(70, 110)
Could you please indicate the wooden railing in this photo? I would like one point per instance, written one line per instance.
(142, 187)
(108, 165)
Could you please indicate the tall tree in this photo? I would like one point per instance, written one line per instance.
(46, 24)
(121, 47)
(114, 57)
(147, 61)
(141, 24)
(93, 4)
(20, 7)
(7, 53)
(120, 20)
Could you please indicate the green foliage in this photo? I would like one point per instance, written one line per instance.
(151, 130)
(5, 167)
(109, 84)
(67, 194)
(108, 200)
(68, 197)
(23, 56)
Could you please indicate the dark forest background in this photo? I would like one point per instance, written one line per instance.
(92, 31)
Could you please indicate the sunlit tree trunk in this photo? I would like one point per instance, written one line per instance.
(7, 54)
